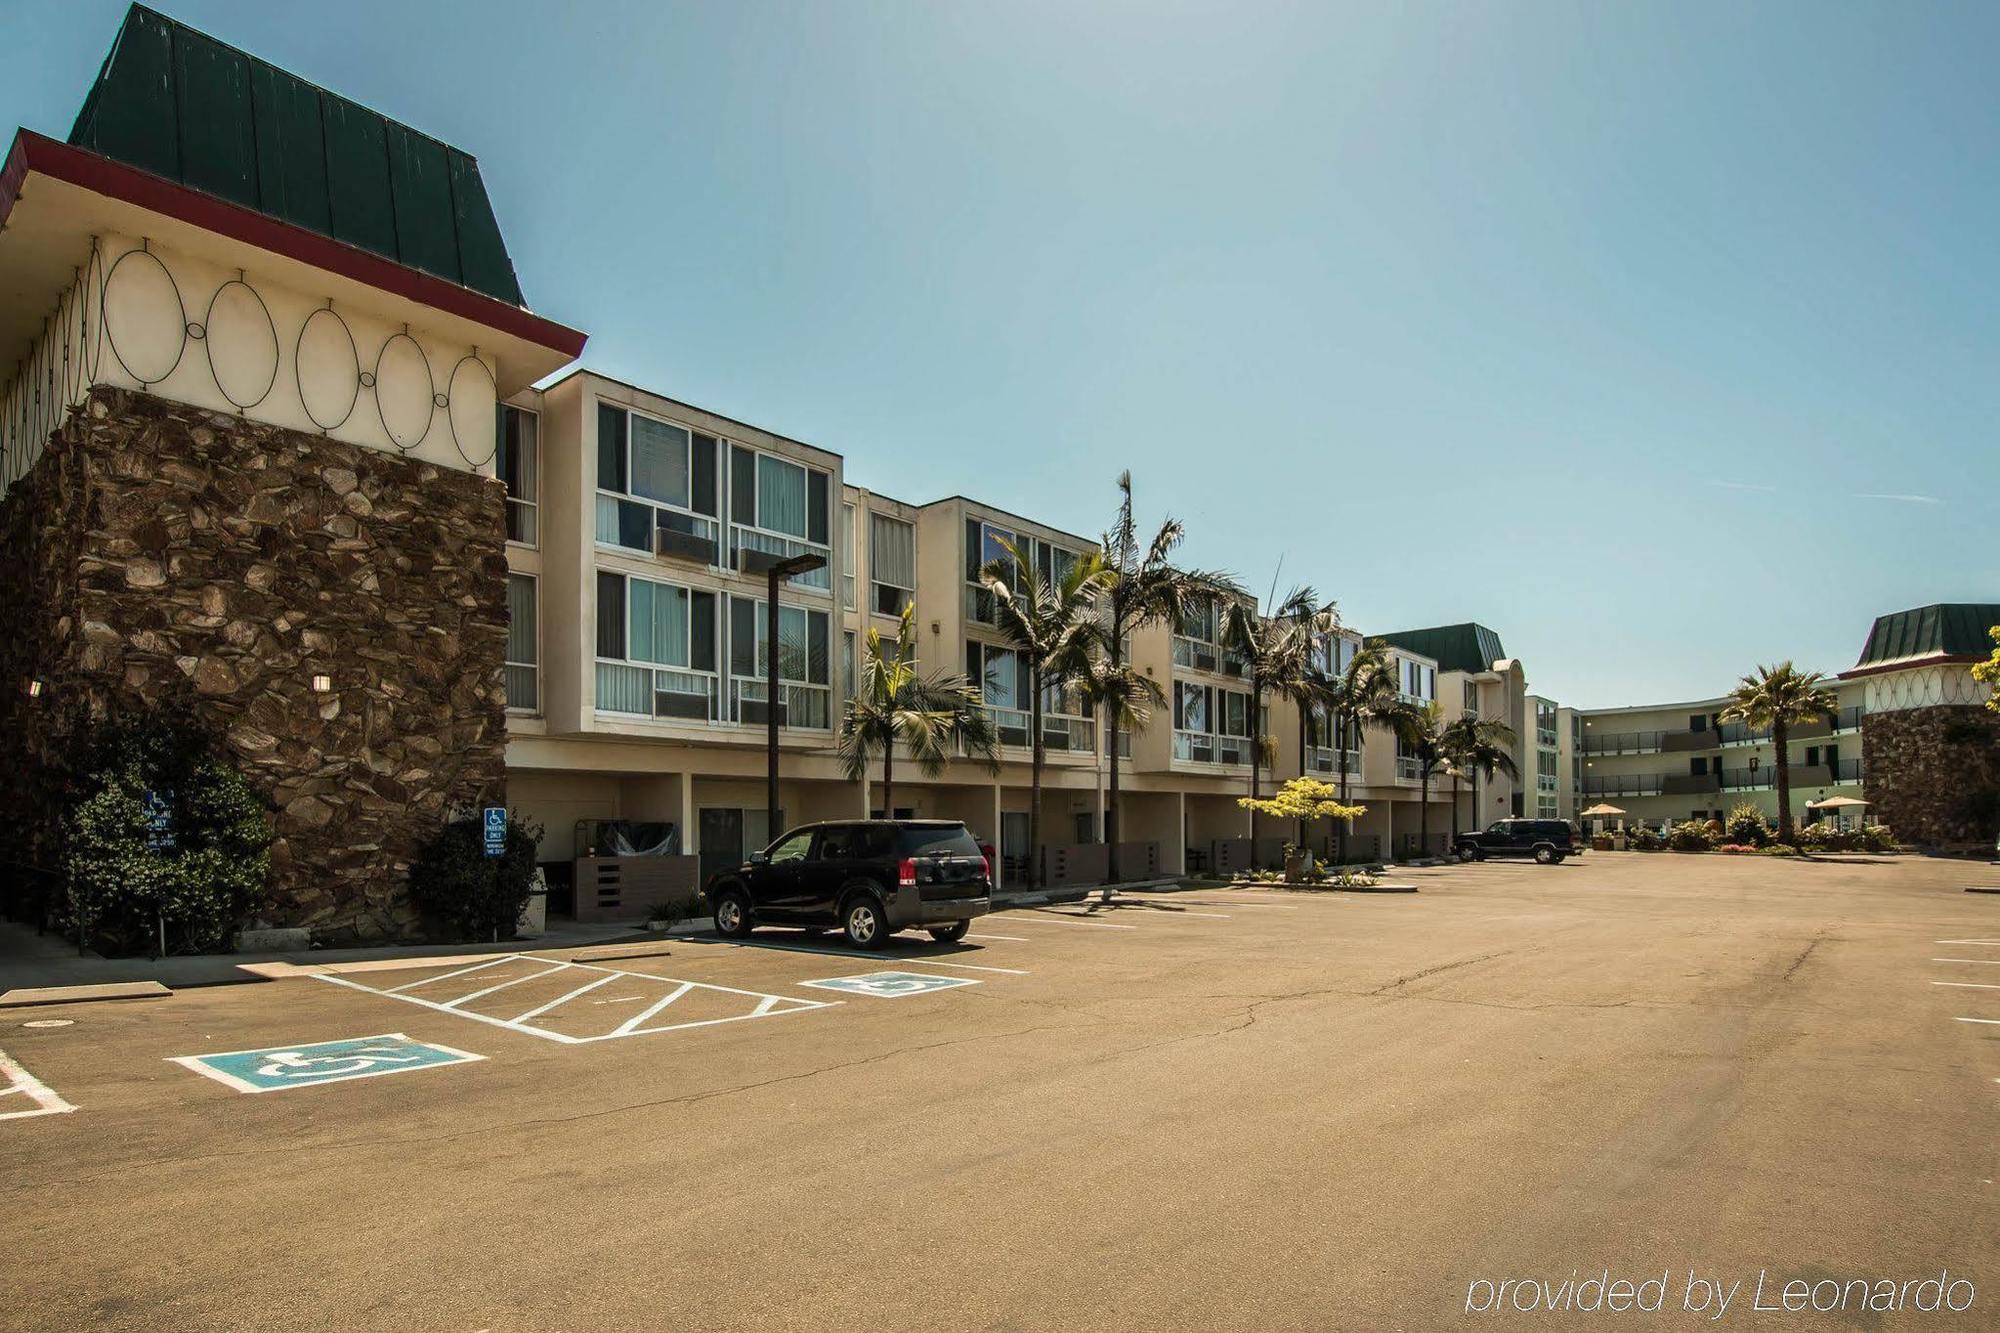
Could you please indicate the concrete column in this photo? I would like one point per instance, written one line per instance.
(690, 827)
(1176, 855)
(1388, 829)
(999, 852)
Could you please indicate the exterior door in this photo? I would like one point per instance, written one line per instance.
(721, 841)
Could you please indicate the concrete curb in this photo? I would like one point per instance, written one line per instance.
(109, 990)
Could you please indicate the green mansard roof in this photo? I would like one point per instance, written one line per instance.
(1943, 630)
(179, 104)
(1468, 647)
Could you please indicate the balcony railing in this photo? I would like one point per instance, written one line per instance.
(1742, 733)
(1623, 784)
(1749, 779)
(656, 692)
(1326, 759)
(807, 706)
(1409, 769)
(1545, 737)
(1201, 747)
(1200, 655)
(1625, 742)
(1060, 734)
(1849, 719)
(1847, 770)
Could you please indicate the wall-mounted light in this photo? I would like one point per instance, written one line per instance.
(34, 689)
(322, 684)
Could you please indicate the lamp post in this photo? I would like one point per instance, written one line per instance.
(776, 569)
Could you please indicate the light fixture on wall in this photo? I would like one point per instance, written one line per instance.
(322, 684)
(34, 689)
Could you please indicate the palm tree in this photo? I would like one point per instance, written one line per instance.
(1145, 588)
(1362, 692)
(1053, 625)
(1276, 651)
(932, 715)
(1780, 697)
(1124, 697)
(1476, 744)
(1423, 731)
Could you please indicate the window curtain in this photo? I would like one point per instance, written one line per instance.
(520, 618)
(659, 461)
(781, 496)
(660, 629)
(894, 553)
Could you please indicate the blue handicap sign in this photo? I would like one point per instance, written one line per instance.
(274, 1067)
(890, 985)
(159, 818)
(496, 830)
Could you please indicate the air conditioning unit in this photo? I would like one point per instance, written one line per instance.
(669, 544)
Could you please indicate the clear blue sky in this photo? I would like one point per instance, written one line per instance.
(1661, 337)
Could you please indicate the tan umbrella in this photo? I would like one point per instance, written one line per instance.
(1600, 810)
(1837, 804)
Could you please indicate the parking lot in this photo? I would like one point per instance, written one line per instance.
(1215, 1108)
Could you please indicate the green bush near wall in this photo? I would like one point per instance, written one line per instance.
(465, 894)
(167, 839)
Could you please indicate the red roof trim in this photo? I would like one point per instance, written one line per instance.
(101, 175)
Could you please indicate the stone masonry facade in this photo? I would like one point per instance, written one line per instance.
(1932, 773)
(157, 550)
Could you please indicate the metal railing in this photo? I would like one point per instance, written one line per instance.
(644, 691)
(1847, 770)
(1201, 747)
(1060, 733)
(1200, 655)
(1624, 784)
(1409, 769)
(1626, 742)
(1326, 759)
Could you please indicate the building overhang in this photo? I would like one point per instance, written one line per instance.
(1913, 663)
(55, 197)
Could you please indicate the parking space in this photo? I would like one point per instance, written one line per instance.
(1594, 1062)
(23, 1096)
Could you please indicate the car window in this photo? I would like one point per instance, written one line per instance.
(839, 842)
(1499, 829)
(792, 848)
(947, 840)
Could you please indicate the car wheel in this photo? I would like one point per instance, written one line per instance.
(1468, 853)
(952, 933)
(732, 914)
(1546, 856)
(863, 923)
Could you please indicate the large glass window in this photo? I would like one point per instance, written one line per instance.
(892, 562)
(1211, 725)
(804, 663)
(521, 671)
(656, 652)
(781, 508)
(655, 476)
(847, 556)
(518, 455)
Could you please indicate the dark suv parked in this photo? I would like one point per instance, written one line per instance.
(1547, 840)
(868, 878)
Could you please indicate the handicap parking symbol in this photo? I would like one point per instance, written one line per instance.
(890, 985)
(273, 1067)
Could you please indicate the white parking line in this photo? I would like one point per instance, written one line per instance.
(447, 976)
(21, 1081)
(1062, 919)
(767, 1005)
(1977, 1020)
(1990, 962)
(1011, 939)
(1968, 985)
(564, 999)
(839, 953)
(1965, 941)
(468, 999)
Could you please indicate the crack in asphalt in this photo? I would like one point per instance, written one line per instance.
(1433, 971)
(1800, 961)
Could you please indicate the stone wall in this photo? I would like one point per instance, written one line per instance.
(157, 549)
(1926, 769)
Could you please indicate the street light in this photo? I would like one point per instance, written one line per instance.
(776, 570)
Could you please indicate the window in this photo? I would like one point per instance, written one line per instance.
(519, 443)
(1698, 722)
(793, 848)
(778, 507)
(892, 564)
(847, 554)
(520, 669)
(848, 655)
(654, 476)
(1698, 766)
(1471, 698)
(804, 663)
(1211, 725)
(656, 650)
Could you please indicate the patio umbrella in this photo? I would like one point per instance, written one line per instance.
(1602, 811)
(1837, 804)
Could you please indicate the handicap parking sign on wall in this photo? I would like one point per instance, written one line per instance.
(891, 985)
(274, 1067)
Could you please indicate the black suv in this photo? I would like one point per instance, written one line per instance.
(1547, 840)
(869, 878)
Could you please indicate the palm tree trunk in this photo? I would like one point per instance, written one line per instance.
(889, 778)
(1035, 785)
(1303, 732)
(1342, 729)
(1424, 813)
(1454, 806)
(1779, 738)
(1111, 792)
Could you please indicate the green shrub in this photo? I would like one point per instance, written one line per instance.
(1690, 836)
(168, 835)
(1645, 839)
(467, 895)
(1746, 826)
(1777, 849)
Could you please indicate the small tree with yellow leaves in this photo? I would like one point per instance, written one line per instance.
(1305, 800)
